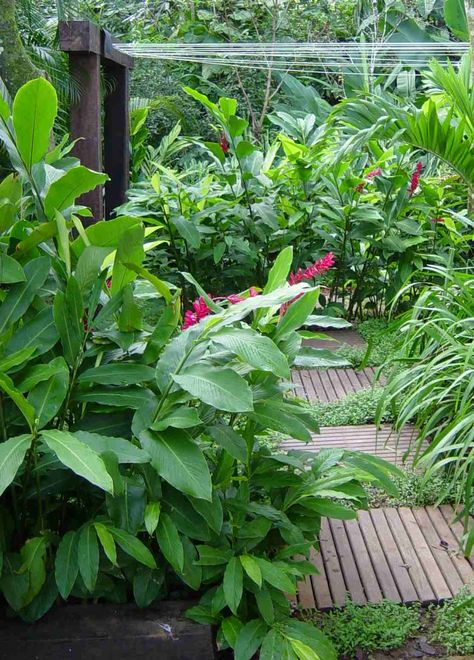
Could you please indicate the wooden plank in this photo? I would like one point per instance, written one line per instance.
(308, 385)
(327, 385)
(397, 566)
(364, 564)
(410, 558)
(299, 390)
(364, 379)
(331, 564)
(450, 534)
(319, 582)
(347, 562)
(377, 555)
(440, 553)
(422, 549)
(346, 383)
(336, 383)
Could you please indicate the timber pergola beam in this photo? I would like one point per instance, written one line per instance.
(90, 50)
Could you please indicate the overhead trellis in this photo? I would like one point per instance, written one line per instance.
(348, 58)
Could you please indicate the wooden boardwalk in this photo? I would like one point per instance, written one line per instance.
(384, 442)
(331, 384)
(403, 555)
(336, 338)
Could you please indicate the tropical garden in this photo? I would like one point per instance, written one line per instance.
(146, 359)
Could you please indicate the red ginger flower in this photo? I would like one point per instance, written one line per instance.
(415, 179)
(201, 310)
(318, 268)
(234, 298)
(224, 143)
(373, 173)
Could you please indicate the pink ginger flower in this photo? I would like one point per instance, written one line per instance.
(201, 310)
(439, 219)
(235, 298)
(318, 268)
(415, 179)
(224, 143)
(373, 173)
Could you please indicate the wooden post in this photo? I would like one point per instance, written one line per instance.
(116, 124)
(81, 40)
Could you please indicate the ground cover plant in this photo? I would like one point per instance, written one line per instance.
(129, 461)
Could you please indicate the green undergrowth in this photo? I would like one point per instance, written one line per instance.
(413, 490)
(373, 627)
(454, 624)
(354, 409)
(381, 344)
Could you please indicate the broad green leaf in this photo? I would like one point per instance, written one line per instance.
(26, 409)
(254, 349)
(123, 397)
(64, 191)
(188, 232)
(34, 111)
(296, 314)
(39, 373)
(212, 512)
(170, 542)
(47, 396)
(21, 295)
(133, 547)
(88, 556)
(231, 627)
(275, 576)
(107, 542)
(252, 569)
(209, 556)
(88, 268)
(129, 250)
(68, 314)
(66, 566)
(152, 516)
(280, 270)
(40, 333)
(233, 584)
(191, 574)
(456, 19)
(21, 357)
(147, 584)
(249, 640)
(106, 233)
(124, 450)
(14, 585)
(160, 286)
(309, 635)
(179, 461)
(276, 647)
(167, 324)
(180, 418)
(311, 357)
(221, 388)
(32, 556)
(118, 373)
(265, 605)
(10, 270)
(63, 241)
(272, 415)
(78, 457)
(303, 651)
(230, 440)
(41, 234)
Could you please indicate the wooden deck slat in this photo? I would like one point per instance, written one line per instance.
(331, 564)
(379, 561)
(423, 551)
(397, 566)
(440, 554)
(410, 558)
(319, 582)
(363, 562)
(333, 384)
(346, 560)
(451, 534)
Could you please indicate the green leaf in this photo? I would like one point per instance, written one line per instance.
(280, 270)
(34, 111)
(124, 397)
(249, 640)
(14, 585)
(119, 373)
(327, 322)
(276, 647)
(237, 126)
(272, 415)
(309, 635)
(265, 605)
(179, 461)
(75, 182)
(252, 569)
(68, 313)
(244, 149)
(167, 324)
(39, 373)
(310, 357)
(152, 516)
(66, 566)
(191, 574)
(230, 440)
(129, 250)
(26, 409)
(40, 333)
(47, 396)
(32, 556)
(124, 450)
(233, 584)
(456, 19)
(303, 651)
(231, 627)
(256, 350)
(377, 468)
(88, 556)
(296, 314)
(209, 556)
(221, 388)
(133, 547)
(216, 150)
(10, 270)
(107, 542)
(21, 295)
(181, 418)
(147, 585)
(170, 542)
(78, 457)
(275, 576)
(63, 241)
(211, 511)
(188, 231)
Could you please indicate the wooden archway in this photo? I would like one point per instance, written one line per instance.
(91, 50)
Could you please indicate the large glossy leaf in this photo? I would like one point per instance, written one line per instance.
(47, 396)
(119, 373)
(78, 457)
(40, 333)
(170, 542)
(296, 314)
(27, 410)
(311, 357)
(179, 460)
(10, 270)
(249, 639)
(12, 453)
(133, 547)
(258, 351)
(456, 19)
(106, 233)
(20, 296)
(230, 440)
(66, 566)
(221, 388)
(233, 584)
(124, 450)
(271, 415)
(183, 417)
(34, 111)
(88, 556)
(124, 397)
(280, 270)
(129, 250)
(68, 314)
(64, 191)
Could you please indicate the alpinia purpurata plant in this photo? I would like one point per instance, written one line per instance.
(130, 461)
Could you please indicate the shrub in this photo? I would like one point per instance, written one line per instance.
(454, 624)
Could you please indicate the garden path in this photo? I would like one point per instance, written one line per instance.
(332, 384)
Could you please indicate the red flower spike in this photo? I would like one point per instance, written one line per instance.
(201, 310)
(224, 143)
(415, 179)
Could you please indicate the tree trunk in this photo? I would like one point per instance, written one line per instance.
(16, 68)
